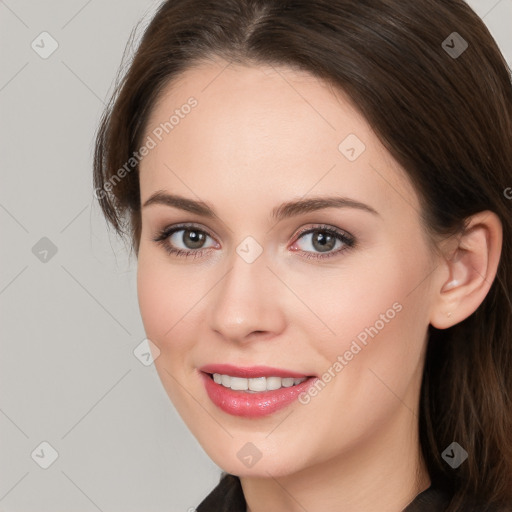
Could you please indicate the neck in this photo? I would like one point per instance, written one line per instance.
(381, 474)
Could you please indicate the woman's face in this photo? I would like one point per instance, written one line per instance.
(258, 289)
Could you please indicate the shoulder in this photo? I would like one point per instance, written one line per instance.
(435, 499)
(227, 496)
(429, 500)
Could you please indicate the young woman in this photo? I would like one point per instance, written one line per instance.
(318, 193)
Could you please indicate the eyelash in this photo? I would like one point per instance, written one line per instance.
(163, 235)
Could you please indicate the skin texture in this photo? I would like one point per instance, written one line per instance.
(260, 136)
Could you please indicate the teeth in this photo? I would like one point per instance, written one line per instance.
(256, 384)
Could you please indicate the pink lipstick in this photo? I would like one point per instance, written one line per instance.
(247, 403)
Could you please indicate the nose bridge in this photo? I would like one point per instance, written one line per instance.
(245, 299)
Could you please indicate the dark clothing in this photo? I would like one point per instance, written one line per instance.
(228, 497)
(430, 500)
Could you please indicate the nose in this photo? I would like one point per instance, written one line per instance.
(248, 302)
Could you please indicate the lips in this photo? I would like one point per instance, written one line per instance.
(253, 405)
(251, 372)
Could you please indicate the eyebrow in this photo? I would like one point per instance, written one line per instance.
(283, 211)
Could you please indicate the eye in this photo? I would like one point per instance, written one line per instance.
(192, 238)
(322, 239)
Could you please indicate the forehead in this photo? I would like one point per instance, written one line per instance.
(258, 131)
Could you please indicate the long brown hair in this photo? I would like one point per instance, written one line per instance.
(445, 117)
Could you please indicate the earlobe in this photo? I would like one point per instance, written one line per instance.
(470, 270)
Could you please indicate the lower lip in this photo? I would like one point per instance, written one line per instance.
(252, 405)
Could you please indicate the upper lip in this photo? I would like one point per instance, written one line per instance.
(250, 372)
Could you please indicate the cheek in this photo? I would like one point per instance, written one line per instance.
(375, 309)
(379, 324)
(169, 320)
(163, 302)
(152, 297)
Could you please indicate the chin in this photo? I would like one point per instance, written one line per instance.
(265, 467)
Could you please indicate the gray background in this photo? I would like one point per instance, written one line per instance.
(70, 324)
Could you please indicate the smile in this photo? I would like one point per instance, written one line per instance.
(253, 403)
(257, 384)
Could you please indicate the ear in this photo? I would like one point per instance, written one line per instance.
(464, 278)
